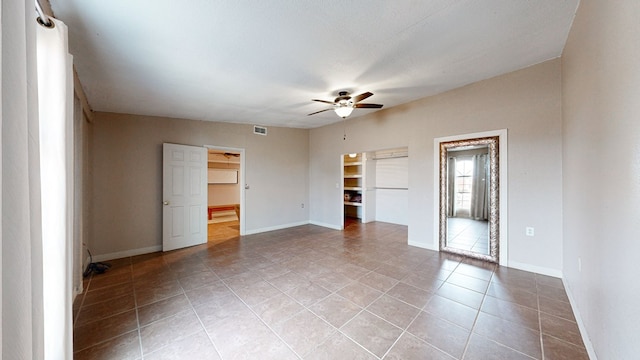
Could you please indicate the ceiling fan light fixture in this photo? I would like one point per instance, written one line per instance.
(344, 104)
(343, 110)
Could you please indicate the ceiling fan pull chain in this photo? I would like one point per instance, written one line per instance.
(344, 132)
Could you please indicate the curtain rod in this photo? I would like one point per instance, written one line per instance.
(43, 18)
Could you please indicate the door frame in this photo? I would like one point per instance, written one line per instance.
(241, 182)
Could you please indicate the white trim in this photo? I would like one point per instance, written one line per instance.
(242, 183)
(504, 198)
(277, 227)
(126, 253)
(326, 225)
(341, 194)
(536, 269)
(77, 292)
(436, 193)
(421, 245)
(583, 330)
(503, 188)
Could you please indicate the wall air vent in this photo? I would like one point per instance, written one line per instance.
(391, 154)
(260, 130)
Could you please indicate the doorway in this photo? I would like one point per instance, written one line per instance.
(225, 198)
(376, 186)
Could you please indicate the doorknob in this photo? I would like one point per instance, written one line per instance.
(165, 202)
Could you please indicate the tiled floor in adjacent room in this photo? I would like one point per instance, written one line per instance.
(314, 293)
(468, 234)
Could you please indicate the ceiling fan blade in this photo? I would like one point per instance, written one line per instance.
(368, 106)
(323, 101)
(361, 97)
(313, 113)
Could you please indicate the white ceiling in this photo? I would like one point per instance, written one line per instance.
(261, 62)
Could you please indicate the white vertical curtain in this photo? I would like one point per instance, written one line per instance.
(480, 188)
(21, 226)
(55, 108)
(451, 186)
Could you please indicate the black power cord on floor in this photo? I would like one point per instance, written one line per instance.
(97, 267)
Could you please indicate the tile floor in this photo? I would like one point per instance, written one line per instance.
(222, 231)
(468, 234)
(314, 293)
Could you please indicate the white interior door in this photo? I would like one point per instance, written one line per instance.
(184, 191)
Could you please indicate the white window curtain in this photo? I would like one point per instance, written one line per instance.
(451, 185)
(480, 191)
(55, 108)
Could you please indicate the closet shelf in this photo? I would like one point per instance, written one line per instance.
(352, 203)
(223, 162)
(354, 186)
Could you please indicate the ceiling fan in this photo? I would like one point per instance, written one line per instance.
(344, 104)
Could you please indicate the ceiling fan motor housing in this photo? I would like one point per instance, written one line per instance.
(343, 99)
(344, 103)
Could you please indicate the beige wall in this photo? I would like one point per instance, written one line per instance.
(526, 102)
(223, 194)
(601, 169)
(126, 188)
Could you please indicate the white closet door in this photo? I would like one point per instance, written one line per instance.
(184, 190)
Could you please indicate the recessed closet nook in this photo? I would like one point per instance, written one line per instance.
(376, 186)
(223, 194)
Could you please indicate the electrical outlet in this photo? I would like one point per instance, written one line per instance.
(529, 231)
(302, 205)
(579, 264)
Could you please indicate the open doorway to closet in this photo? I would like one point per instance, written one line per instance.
(376, 187)
(224, 194)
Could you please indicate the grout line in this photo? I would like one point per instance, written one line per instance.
(161, 319)
(199, 319)
(102, 318)
(258, 316)
(135, 307)
(403, 330)
(539, 322)
(475, 320)
(81, 305)
(360, 345)
(420, 339)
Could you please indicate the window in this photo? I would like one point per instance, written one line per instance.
(464, 179)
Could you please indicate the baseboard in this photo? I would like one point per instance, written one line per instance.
(535, 269)
(421, 245)
(277, 227)
(76, 292)
(327, 225)
(583, 330)
(126, 253)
